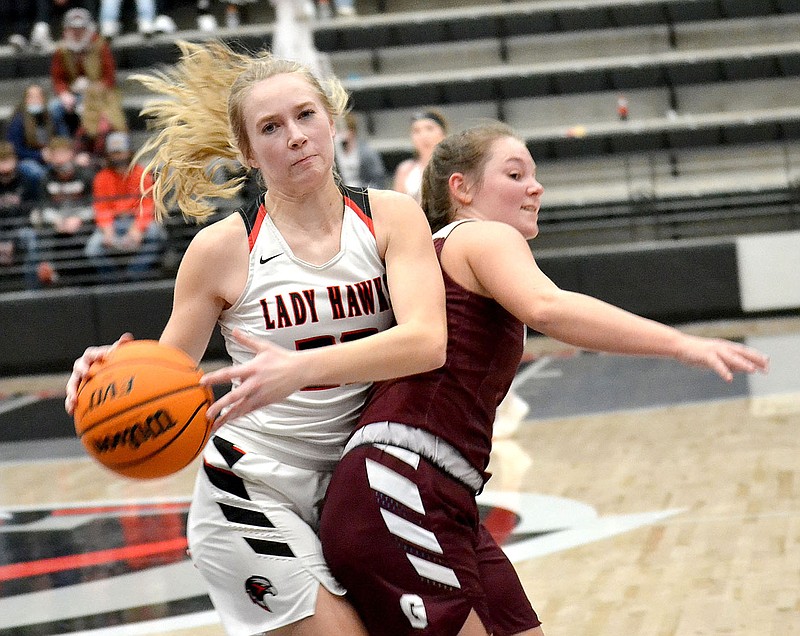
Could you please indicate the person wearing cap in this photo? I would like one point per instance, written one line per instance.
(49, 12)
(428, 128)
(83, 72)
(126, 225)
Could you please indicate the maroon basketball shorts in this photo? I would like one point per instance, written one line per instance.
(405, 539)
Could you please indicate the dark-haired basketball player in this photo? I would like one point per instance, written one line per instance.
(400, 527)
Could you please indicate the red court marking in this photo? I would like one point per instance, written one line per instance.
(75, 561)
(121, 509)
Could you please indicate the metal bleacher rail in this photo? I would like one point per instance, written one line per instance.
(712, 144)
(65, 252)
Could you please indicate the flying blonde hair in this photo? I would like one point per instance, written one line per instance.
(199, 119)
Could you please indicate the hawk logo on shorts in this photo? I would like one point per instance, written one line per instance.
(257, 588)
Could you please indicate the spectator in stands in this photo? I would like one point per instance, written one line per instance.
(19, 194)
(428, 128)
(359, 164)
(124, 217)
(31, 128)
(17, 187)
(233, 14)
(83, 72)
(293, 37)
(50, 12)
(66, 203)
(110, 14)
(344, 8)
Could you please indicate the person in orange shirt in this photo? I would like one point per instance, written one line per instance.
(127, 234)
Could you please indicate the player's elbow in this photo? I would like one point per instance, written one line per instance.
(545, 312)
(426, 348)
(436, 347)
(438, 355)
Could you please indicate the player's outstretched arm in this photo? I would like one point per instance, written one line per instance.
(504, 268)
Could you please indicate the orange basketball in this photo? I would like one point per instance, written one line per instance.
(141, 411)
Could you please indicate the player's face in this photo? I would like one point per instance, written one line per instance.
(290, 133)
(509, 191)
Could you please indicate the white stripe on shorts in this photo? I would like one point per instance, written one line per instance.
(411, 532)
(434, 572)
(394, 485)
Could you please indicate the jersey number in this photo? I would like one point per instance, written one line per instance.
(326, 341)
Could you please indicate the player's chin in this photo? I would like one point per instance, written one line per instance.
(530, 229)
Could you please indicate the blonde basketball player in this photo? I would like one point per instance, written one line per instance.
(334, 287)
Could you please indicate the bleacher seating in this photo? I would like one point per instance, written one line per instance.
(711, 146)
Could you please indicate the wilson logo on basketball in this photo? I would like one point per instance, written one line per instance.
(137, 434)
(109, 392)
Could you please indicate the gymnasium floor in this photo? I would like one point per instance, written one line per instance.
(638, 498)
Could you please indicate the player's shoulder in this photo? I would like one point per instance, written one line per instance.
(391, 200)
(488, 233)
(219, 237)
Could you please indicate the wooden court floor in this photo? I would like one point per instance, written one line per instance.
(637, 498)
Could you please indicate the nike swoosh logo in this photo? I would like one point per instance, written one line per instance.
(263, 260)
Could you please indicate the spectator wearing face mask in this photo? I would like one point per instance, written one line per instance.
(66, 203)
(31, 128)
(51, 12)
(127, 239)
(83, 72)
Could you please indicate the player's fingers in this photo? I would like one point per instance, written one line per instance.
(69, 404)
(221, 376)
(722, 369)
(215, 411)
(246, 340)
(126, 337)
(80, 368)
(758, 360)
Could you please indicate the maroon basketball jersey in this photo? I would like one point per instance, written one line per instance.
(457, 402)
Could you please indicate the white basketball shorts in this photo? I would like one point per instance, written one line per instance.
(252, 535)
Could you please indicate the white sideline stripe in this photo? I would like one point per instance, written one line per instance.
(160, 626)
(411, 532)
(407, 456)
(394, 485)
(434, 572)
(152, 586)
(17, 403)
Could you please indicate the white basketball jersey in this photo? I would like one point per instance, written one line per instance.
(297, 305)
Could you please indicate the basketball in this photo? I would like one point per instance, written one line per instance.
(141, 411)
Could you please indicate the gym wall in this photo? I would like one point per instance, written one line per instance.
(672, 282)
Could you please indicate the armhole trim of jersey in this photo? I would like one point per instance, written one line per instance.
(253, 216)
(357, 200)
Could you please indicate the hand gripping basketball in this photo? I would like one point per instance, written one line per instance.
(141, 411)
